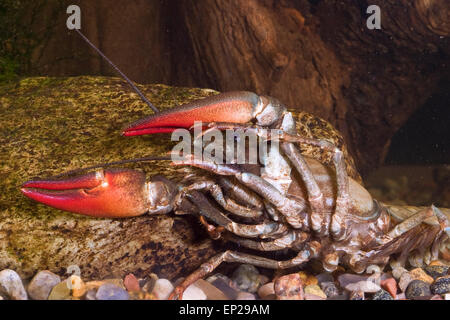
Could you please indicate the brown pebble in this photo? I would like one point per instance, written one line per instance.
(310, 296)
(436, 263)
(225, 286)
(98, 283)
(314, 289)
(266, 290)
(420, 274)
(308, 279)
(131, 283)
(60, 292)
(212, 292)
(289, 287)
(390, 285)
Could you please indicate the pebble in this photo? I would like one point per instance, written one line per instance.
(148, 284)
(194, 293)
(314, 289)
(447, 296)
(266, 290)
(309, 296)
(77, 285)
(97, 284)
(398, 272)
(441, 285)
(60, 292)
(110, 291)
(390, 285)
(90, 295)
(42, 284)
(131, 283)
(385, 276)
(436, 297)
(263, 279)
(245, 296)
(420, 274)
(289, 287)
(325, 277)
(356, 295)
(364, 286)
(12, 286)
(224, 285)
(349, 278)
(417, 288)
(162, 289)
(382, 295)
(436, 263)
(211, 292)
(247, 278)
(404, 281)
(400, 296)
(330, 289)
(308, 279)
(437, 271)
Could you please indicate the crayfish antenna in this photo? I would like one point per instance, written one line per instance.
(143, 97)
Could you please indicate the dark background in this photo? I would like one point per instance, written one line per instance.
(385, 90)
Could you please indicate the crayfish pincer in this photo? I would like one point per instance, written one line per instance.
(291, 202)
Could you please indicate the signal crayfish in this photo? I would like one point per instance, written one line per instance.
(287, 201)
(294, 202)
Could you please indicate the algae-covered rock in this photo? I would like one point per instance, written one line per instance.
(51, 125)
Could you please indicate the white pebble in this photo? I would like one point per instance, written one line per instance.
(194, 293)
(398, 272)
(11, 284)
(364, 286)
(162, 289)
(42, 284)
(447, 296)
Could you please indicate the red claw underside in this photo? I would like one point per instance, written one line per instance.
(234, 107)
(114, 193)
(121, 192)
